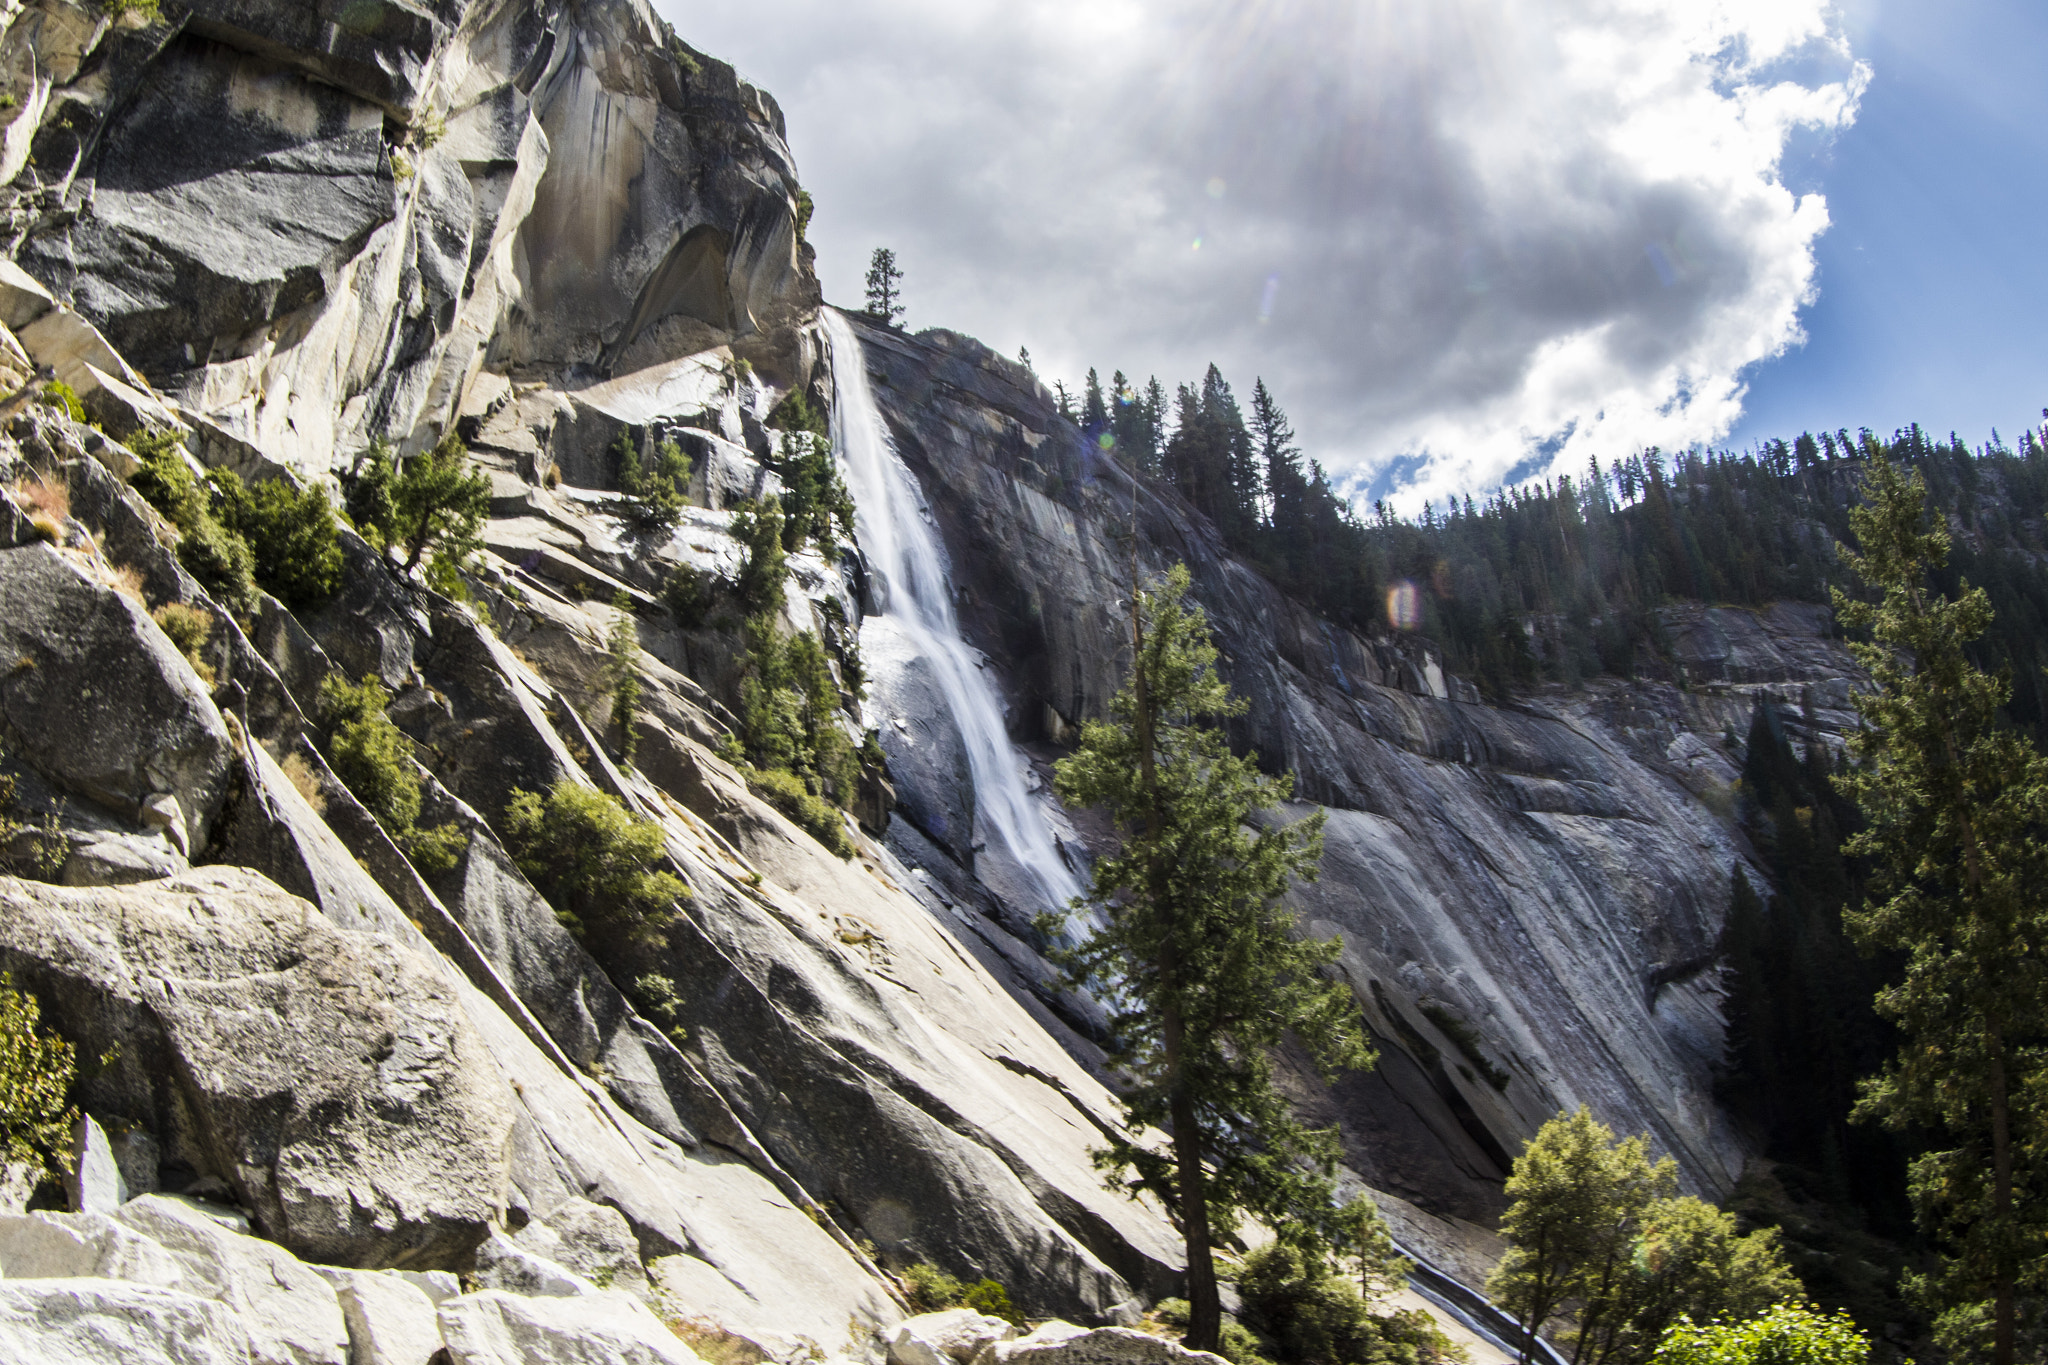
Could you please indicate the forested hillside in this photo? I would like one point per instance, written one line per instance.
(1557, 580)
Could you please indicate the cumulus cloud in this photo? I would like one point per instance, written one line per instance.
(1462, 240)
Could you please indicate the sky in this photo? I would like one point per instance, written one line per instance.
(1463, 241)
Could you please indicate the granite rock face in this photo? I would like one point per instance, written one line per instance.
(312, 225)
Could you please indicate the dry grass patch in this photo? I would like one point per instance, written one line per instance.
(43, 496)
(306, 780)
(712, 1343)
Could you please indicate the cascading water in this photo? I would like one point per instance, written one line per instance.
(904, 555)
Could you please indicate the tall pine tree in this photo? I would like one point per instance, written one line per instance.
(1955, 805)
(1204, 959)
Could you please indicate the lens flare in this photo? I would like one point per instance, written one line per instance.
(1267, 299)
(1404, 606)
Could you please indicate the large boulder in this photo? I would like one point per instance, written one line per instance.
(1062, 1343)
(496, 1328)
(107, 1322)
(954, 1337)
(101, 701)
(332, 1079)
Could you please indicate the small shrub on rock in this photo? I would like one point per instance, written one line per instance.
(990, 1298)
(36, 1071)
(64, 398)
(373, 758)
(595, 861)
(930, 1289)
(370, 754)
(188, 628)
(818, 818)
(220, 559)
(294, 539)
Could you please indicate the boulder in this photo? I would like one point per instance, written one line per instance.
(53, 1246)
(101, 702)
(1062, 1343)
(590, 1240)
(954, 1337)
(503, 1264)
(291, 1313)
(94, 1183)
(115, 858)
(611, 1328)
(390, 1321)
(107, 1322)
(333, 1079)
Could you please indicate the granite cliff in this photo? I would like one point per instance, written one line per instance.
(279, 232)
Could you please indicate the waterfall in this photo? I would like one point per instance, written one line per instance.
(904, 554)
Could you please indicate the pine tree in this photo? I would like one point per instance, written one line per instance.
(622, 671)
(1954, 805)
(885, 286)
(1195, 945)
(1094, 412)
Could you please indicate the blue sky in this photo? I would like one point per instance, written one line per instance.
(1933, 279)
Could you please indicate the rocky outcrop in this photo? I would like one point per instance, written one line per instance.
(312, 229)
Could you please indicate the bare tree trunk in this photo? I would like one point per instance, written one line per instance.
(1205, 1307)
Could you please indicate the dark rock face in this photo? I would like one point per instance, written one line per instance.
(100, 701)
(1529, 894)
(230, 191)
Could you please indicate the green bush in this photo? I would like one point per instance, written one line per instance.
(220, 559)
(595, 862)
(435, 850)
(36, 1071)
(293, 536)
(1789, 1334)
(1303, 1314)
(657, 998)
(62, 396)
(690, 594)
(370, 754)
(930, 1289)
(785, 791)
(373, 758)
(991, 1299)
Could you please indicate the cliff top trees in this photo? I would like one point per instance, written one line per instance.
(1198, 954)
(885, 283)
(1954, 804)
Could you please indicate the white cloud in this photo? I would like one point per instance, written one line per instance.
(1480, 227)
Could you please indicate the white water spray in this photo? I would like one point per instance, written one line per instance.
(904, 552)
